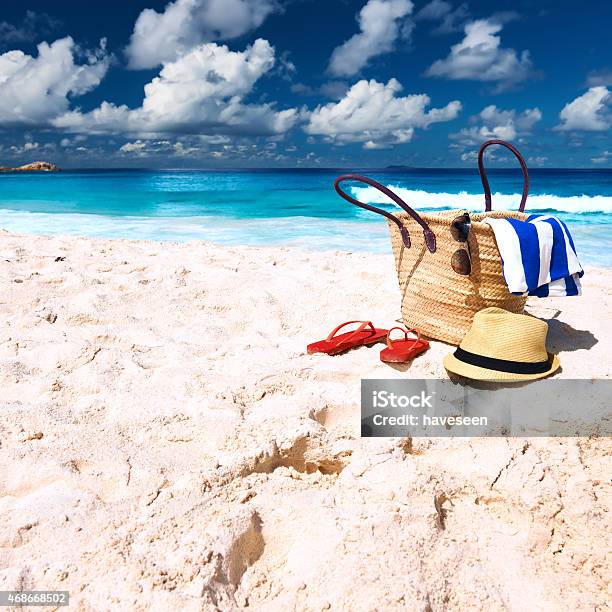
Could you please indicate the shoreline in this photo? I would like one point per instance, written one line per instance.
(374, 242)
(381, 258)
(160, 413)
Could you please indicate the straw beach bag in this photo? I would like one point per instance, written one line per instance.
(436, 299)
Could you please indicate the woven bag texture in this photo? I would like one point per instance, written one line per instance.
(437, 300)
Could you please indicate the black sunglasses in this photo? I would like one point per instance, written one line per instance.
(461, 261)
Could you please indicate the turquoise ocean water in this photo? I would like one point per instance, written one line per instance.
(288, 207)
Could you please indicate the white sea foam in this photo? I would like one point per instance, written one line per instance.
(315, 233)
(368, 233)
(422, 200)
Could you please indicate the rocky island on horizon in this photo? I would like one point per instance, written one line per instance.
(37, 166)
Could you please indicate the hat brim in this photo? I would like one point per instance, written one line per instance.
(452, 364)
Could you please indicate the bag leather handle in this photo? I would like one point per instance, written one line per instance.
(483, 174)
(430, 238)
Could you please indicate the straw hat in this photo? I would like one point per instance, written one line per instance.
(501, 345)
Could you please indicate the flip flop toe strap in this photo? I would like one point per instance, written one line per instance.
(361, 328)
(406, 332)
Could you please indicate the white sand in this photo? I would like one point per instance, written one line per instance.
(166, 443)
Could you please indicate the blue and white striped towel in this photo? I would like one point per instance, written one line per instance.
(538, 256)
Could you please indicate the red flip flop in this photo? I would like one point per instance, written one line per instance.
(366, 333)
(400, 351)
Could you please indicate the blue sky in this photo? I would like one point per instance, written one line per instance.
(266, 83)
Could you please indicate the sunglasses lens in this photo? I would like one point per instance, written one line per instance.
(460, 228)
(461, 263)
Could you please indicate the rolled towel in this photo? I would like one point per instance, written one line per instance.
(538, 256)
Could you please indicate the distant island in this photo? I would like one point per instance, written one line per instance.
(37, 166)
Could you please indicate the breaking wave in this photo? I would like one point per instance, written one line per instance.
(422, 200)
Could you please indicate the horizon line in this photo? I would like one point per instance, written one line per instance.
(316, 168)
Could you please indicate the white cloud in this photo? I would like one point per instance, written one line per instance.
(214, 139)
(493, 122)
(590, 111)
(538, 160)
(151, 148)
(606, 156)
(200, 93)
(471, 156)
(480, 57)
(370, 145)
(381, 22)
(133, 147)
(372, 113)
(25, 148)
(164, 37)
(35, 90)
(180, 150)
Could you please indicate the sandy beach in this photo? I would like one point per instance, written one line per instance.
(167, 444)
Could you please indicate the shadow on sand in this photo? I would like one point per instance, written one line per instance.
(563, 337)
